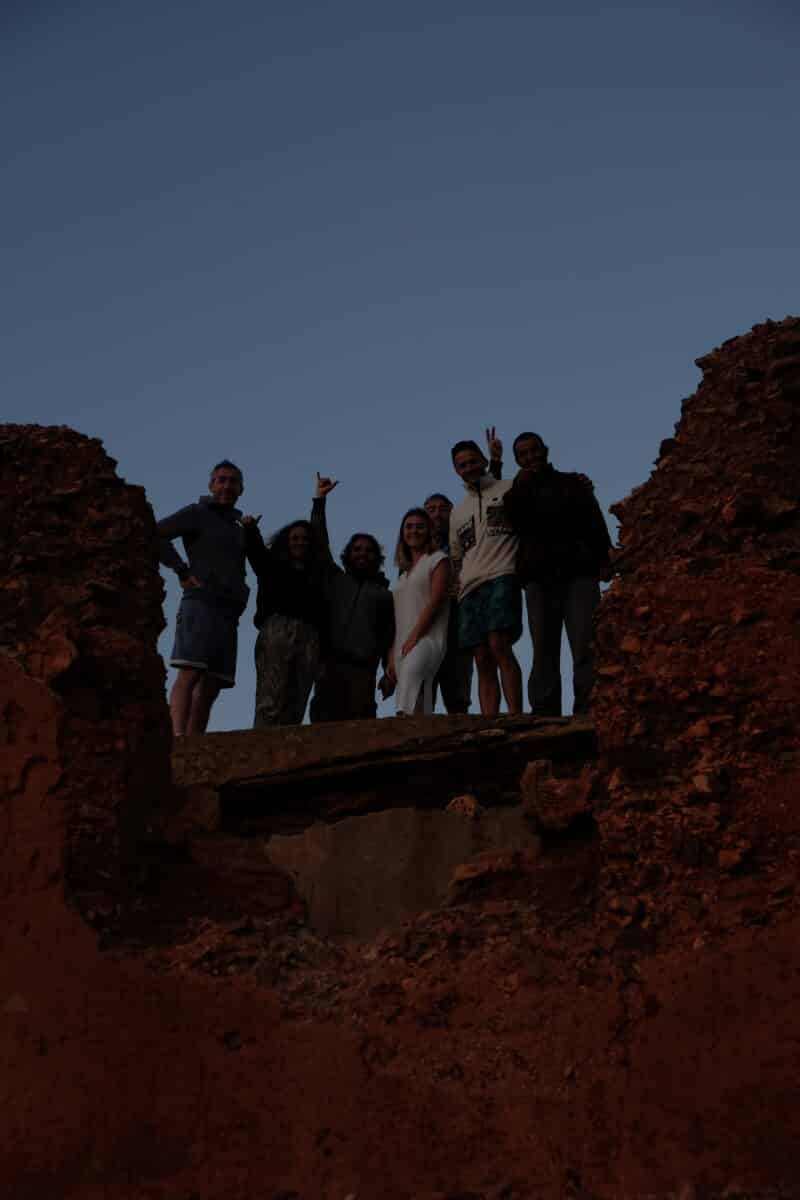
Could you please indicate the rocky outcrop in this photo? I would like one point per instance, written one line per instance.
(599, 1002)
(278, 779)
(80, 612)
(697, 700)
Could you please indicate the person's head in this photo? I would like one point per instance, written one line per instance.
(363, 556)
(226, 483)
(469, 461)
(438, 508)
(295, 544)
(530, 451)
(415, 536)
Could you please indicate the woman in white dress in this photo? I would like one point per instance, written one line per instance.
(421, 604)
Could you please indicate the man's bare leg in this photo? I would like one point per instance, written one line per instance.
(180, 700)
(502, 650)
(488, 686)
(205, 693)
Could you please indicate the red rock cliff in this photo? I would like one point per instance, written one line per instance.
(698, 700)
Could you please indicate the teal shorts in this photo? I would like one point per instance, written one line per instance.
(493, 607)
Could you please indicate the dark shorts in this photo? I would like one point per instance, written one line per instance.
(205, 636)
(493, 607)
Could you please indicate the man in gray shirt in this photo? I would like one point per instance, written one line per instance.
(214, 596)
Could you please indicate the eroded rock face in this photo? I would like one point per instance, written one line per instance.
(80, 612)
(697, 701)
(613, 1016)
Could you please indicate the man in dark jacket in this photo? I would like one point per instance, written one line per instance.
(214, 596)
(563, 553)
(360, 622)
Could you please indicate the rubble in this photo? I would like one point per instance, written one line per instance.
(698, 741)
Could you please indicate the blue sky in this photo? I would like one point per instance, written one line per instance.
(338, 237)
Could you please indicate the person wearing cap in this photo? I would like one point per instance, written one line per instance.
(483, 550)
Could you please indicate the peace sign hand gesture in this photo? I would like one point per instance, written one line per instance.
(495, 445)
(324, 485)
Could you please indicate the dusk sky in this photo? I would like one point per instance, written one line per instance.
(339, 237)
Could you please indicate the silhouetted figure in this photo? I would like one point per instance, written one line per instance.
(455, 674)
(290, 615)
(421, 605)
(563, 553)
(454, 677)
(483, 551)
(359, 621)
(214, 596)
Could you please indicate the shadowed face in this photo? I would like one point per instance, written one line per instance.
(416, 533)
(439, 509)
(226, 486)
(530, 453)
(299, 543)
(362, 557)
(469, 466)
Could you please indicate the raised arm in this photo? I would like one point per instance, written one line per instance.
(495, 448)
(319, 522)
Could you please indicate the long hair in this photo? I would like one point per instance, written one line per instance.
(279, 545)
(402, 554)
(376, 546)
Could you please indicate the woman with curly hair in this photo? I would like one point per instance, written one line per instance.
(290, 617)
(421, 605)
(359, 628)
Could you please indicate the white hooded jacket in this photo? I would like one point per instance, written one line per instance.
(482, 545)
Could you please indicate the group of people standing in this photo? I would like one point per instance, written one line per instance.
(457, 599)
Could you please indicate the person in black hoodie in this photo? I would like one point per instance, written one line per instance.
(359, 628)
(290, 617)
(563, 553)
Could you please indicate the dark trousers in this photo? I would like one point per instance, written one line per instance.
(454, 676)
(566, 604)
(344, 692)
(287, 659)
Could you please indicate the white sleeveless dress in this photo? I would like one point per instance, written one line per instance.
(417, 671)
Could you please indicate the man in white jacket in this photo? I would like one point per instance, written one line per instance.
(483, 552)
